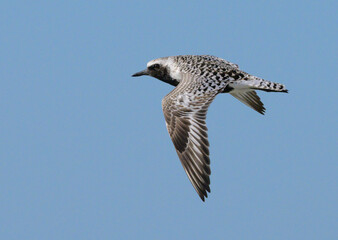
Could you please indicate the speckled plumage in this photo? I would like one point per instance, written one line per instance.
(198, 79)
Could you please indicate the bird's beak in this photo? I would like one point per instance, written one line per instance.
(144, 72)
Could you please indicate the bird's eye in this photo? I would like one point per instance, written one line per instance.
(155, 66)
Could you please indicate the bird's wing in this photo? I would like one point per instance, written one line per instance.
(185, 114)
(249, 98)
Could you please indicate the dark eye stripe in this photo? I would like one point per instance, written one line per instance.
(154, 66)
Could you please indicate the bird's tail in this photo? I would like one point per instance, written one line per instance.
(257, 83)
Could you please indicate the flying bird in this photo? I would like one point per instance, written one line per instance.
(197, 80)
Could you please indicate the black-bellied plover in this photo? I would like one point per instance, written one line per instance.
(199, 79)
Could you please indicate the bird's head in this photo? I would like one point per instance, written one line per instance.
(162, 69)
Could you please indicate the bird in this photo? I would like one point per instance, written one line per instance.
(198, 79)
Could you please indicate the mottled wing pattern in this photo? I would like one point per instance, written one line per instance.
(220, 61)
(185, 115)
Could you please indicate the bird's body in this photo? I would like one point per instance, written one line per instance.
(198, 79)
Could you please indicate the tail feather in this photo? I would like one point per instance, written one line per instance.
(256, 83)
(244, 90)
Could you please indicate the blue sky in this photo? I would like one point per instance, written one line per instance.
(84, 149)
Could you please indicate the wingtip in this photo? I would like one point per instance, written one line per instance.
(261, 111)
(204, 195)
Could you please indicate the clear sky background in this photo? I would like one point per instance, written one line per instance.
(84, 151)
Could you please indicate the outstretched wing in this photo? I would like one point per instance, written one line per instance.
(249, 98)
(185, 115)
